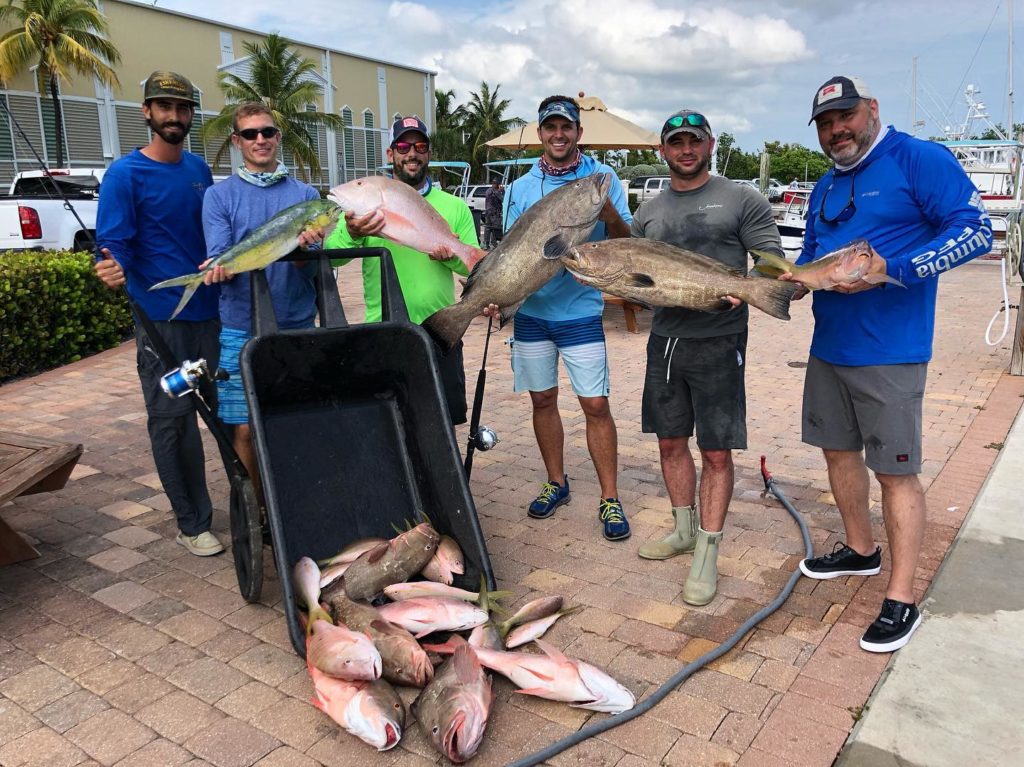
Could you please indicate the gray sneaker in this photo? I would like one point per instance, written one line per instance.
(202, 545)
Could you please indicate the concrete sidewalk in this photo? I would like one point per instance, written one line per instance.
(955, 694)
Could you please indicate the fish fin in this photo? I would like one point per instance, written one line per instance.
(551, 651)
(447, 648)
(508, 312)
(770, 296)
(465, 662)
(376, 552)
(639, 280)
(540, 692)
(878, 279)
(475, 257)
(187, 294)
(177, 282)
(317, 702)
(396, 528)
(556, 247)
(446, 326)
(767, 271)
(384, 627)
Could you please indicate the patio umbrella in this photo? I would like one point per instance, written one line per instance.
(601, 130)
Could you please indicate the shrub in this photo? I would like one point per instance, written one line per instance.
(53, 311)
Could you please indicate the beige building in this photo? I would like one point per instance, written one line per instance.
(102, 124)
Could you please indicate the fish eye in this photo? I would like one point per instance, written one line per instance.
(435, 729)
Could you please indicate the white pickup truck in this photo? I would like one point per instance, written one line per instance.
(34, 217)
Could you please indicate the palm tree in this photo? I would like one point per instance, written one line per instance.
(59, 36)
(446, 141)
(279, 77)
(485, 118)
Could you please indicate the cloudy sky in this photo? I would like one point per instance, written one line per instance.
(751, 66)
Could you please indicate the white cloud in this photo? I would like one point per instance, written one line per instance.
(414, 18)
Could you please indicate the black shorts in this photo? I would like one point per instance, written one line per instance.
(697, 382)
(453, 381)
(187, 341)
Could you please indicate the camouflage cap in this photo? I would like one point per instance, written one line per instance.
(168, 85)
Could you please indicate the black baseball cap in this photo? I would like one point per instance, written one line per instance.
(168, 85)
(840, 92)
(405, 125)
(686, 121)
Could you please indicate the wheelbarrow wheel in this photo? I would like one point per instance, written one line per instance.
(247, 539)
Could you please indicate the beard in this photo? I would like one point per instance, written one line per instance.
(861, 143)
(164, 130)
(682, 172)
(414, 178)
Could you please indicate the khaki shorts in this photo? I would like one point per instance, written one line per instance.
(874, 408)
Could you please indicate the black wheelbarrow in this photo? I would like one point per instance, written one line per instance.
(352, 434)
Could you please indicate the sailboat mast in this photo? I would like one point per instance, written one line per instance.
(1009, 53)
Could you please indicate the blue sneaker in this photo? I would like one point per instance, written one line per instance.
(552, 495)
(616, 526)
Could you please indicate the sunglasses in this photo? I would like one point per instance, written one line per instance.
(250, 134)
(694, 119)
(848, 210)
(403, 147)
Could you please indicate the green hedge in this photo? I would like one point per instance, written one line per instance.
(53, 310)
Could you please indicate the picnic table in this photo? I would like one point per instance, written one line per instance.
(29, 465)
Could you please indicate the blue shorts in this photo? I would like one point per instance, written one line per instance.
(231, 405)
(580, 342)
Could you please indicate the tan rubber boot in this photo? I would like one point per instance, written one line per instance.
(679, 541)
(702, 582)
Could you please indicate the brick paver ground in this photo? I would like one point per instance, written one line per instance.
(118, 647)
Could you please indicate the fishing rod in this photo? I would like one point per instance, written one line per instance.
(180, 377)
(481, 438)
(690, 669)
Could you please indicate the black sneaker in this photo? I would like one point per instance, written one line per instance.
(892, 628)
(842, 561)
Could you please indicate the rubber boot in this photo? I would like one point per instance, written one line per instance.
(679, 541)
(702, 582)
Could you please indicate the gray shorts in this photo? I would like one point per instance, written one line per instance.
(697, 383)
(874, 408)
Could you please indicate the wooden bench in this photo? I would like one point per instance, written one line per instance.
(629, 309)
(29, 465)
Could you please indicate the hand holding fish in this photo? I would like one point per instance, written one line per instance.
(441, 253)
(109, 271)
(801, 289)
(311, 237)
(875, 269)
(366, 225)
(492, 310)
(214, 275)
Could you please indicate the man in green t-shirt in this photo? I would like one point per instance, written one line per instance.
(426, 280)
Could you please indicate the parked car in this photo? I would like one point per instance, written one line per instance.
(648, 187)
(476, 196)
(33, 216)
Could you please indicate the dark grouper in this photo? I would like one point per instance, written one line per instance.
(517, 267)
(658, 274)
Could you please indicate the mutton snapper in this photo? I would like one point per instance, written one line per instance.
(408, 219)
(517, 267)
(658, 274)
(840, 267)
(263, 245)
(372, 711)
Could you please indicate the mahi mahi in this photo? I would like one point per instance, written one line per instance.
(658, 274)
(263, 245)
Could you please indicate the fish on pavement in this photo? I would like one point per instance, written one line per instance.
(408, 219)
(395, 561)
(840, 267)
(306, 579)
(554, 676)
(533, 610)
(453, 709)
(372, 711)
(531, 630)
(342, 653)
(658, 274)
(403, 661)
(263, 245)
(426, 615)
(517, 267)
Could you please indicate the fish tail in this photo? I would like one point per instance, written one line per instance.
(447, 326)
(317, 614)
(876, 279)
(191, 283)
(771, 264)
(770, 296)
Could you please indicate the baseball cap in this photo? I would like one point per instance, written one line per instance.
(686, 121)
(168, 85)
(839, 93)
(405, 125)
(566, 109)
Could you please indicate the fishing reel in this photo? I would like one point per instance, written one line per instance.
(187, 378)
(485, 438)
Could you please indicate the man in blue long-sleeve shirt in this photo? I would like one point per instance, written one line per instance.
(149, 229)
(921, 216)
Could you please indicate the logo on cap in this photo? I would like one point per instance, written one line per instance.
(410, 122)
(830, 92)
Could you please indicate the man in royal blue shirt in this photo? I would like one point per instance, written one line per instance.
(921, 216)
(149, 229)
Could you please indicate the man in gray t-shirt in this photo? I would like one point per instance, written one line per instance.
(696, 360)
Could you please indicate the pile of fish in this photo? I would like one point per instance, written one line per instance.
(357, 650)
